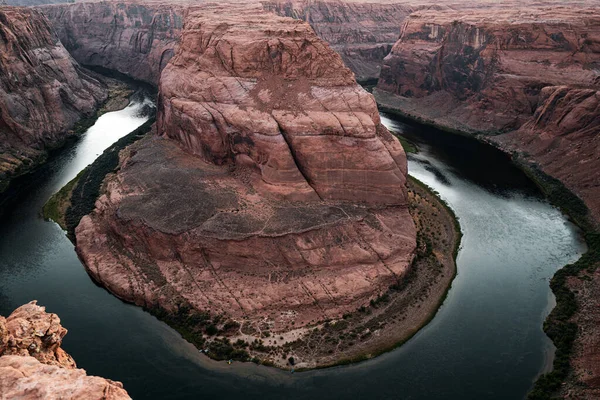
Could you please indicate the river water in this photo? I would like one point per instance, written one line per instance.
(486, 340)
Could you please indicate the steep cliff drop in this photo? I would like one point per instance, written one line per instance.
(520, 71)
(362, 32)
(33, 366)
(528, 81)
(272, 199)
(136, 39)
(43, 92)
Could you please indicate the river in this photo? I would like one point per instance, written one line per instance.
(486, 341)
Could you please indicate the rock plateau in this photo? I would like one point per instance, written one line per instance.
(286, 195)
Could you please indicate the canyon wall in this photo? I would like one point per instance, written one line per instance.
(531, 71)
(136, 39)
(43, 91)
(363, 33)
(34, 366)
(286, 196)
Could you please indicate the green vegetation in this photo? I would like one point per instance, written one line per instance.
(56, 207)
(87, 190)
(558, 326)
(408, 146)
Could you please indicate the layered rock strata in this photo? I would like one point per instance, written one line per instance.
(136, 39)
(43, 91)
(531, 71)
(271, 195)
(33, 366)
(362, 32)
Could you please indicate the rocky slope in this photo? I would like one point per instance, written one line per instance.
(33, 366)
(136, 39)
(43, 91)
(286, 196)
(502, 70)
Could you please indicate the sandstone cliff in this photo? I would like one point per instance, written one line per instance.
(272, 196)
(362, 32)
(498, 71)
(33, 366)
(136, 39)
(43, 92)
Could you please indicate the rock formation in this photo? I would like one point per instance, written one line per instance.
(136, 39)
(520, 70)
(33, 366)
(271, 195)
(362, 32)
(43, 92)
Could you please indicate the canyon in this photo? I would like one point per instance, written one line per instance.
(43, 92)
(34, 366)
(289, 197)
(526, 77)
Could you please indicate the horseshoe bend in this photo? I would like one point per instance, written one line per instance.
(268, 206)
(253, 198)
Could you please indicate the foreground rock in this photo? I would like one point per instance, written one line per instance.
(33, 366)
(43, 91)
(272, 198)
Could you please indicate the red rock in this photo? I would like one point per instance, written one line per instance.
(30, 331)
(499, 70)
(34, 366)
(27, 379)
(362, 32)
(43, 92)
(273, 192)
(136, 39)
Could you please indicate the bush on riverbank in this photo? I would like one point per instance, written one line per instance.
(87, 190)
(558, 326)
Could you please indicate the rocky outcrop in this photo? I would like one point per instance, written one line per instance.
(362, 32)
(43, 92)
(271, 195)
(33, 366)
(531, 71)
(30, 331)
(136, 39)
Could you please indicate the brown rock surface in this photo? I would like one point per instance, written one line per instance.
(33, 366)
(273, 194)
(136, 39)
(362, 32)
(497, 71)
(27, 379)
(43, 92)
(30, 331)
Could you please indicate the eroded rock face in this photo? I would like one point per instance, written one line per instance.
(363, 33)
(534, 72)
(491, 63)
(563, 139)
(272, 194)
(31, 331)
(33, 366)
(43, 92)
(136, 39)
